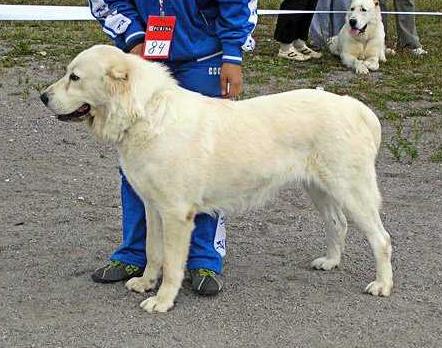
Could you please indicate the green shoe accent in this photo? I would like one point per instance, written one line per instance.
(206, 272)
(205, 282)
(113, 264)
(130, 269)
(116, 271)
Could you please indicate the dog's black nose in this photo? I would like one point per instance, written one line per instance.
(44, 98)
(353, 22)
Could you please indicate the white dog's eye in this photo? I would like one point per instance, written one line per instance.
(73, 77)
(352, 9)
(363, 9)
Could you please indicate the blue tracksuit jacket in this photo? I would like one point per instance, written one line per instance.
(204, 28)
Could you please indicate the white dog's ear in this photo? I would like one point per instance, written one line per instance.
(122, 109)
(117, 78)
(118, 72)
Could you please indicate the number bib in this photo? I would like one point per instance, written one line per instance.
(158, 37)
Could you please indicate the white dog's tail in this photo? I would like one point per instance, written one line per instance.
(372, 122)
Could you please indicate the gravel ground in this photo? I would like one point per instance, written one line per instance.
(60, 218)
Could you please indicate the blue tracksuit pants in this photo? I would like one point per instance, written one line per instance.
(208, 238)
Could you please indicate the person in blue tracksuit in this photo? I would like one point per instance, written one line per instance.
(205, 56)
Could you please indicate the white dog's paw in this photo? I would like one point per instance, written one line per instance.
(378, 288)
(361, 69)
(156, 304)
(373, 66)
(324, 263)
(139, 284)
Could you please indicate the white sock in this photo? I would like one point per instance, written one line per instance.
(285, 47)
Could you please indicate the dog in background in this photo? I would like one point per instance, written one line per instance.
(185, 153)
(361, 41)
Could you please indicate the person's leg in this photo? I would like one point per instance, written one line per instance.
(338, 19)
(129, 259)
(326, 25)
(132, 249)
(320, 29)
(287, 30)
(302, 32)
(388, 44)
(207, 247)
(286, 24)
(304, 24)
(406, 25)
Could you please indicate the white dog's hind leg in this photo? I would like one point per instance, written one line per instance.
(333, 45)
(176, 239)
(335, 225)
(154, 254)
(362, 205)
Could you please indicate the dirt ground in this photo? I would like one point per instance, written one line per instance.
(60, 219)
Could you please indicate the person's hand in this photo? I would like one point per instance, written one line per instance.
(231, 80)
(138, 49)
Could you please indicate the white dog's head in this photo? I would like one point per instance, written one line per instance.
(361, 14)
(103, 85)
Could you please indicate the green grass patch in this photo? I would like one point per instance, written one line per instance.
(54, 42)
(437, 155)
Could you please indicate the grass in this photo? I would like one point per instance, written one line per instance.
(437, 155)
(60, 41)
(397, 92)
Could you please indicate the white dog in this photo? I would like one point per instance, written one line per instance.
(185, 153)
(361, 41)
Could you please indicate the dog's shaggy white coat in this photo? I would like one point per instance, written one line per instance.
(362, 47)
(185, 153)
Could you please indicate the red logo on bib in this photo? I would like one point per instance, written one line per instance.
(158, 37)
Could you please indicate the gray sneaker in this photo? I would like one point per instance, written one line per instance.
(116, 271)
(205, 282)
(418, 52)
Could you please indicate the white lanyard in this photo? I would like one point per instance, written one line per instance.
(161, 7)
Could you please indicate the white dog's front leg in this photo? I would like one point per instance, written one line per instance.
(176, 239)
(354, 63)
(372, 63)
(375, 52)
(154, 254)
